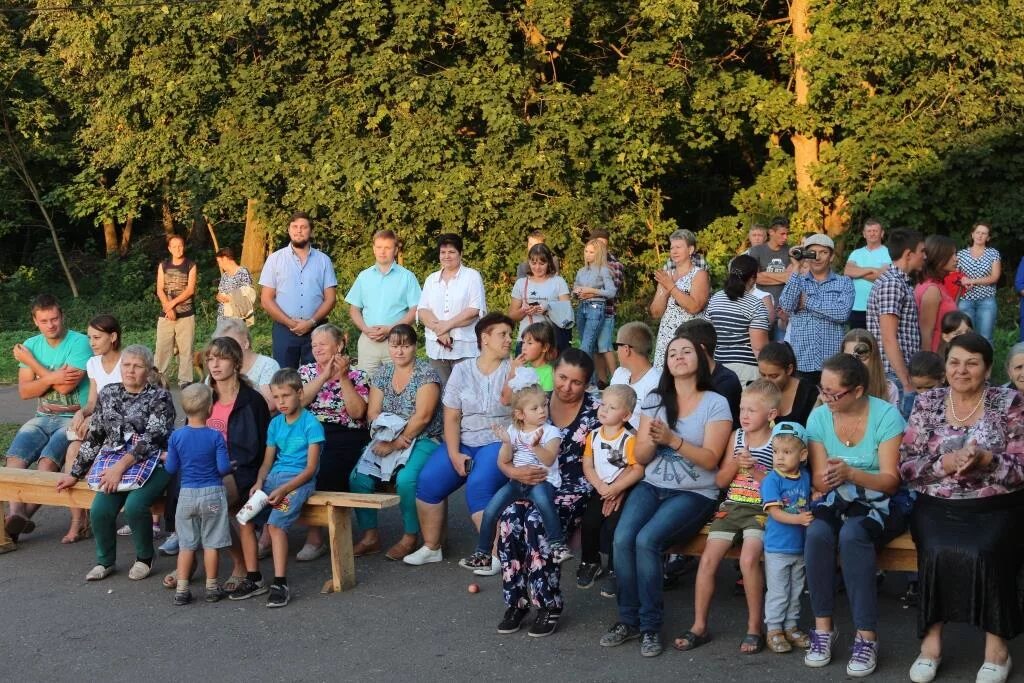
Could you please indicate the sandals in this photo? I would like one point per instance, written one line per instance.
(777, 642)
(798, 638)
(17, 525)
(232, 583)
(80, 534)
(171, 580)
(754, 641)
(691, 641)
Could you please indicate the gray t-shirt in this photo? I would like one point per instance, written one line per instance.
(478, 396)
(531, 291)
(668, 469)
(771, 261)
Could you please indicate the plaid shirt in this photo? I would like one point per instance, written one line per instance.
(893, 294)
(618, 272)
(817, 327)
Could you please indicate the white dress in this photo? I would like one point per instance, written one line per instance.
(675, 315)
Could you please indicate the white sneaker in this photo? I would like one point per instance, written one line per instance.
(124, 531)
(994, 673)
(423, 556)
(99, 572)
(820, 652)
(310, 552)
(923, 669)
(864, 659)
(489, 571)
(139, 571)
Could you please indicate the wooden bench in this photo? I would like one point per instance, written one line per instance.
(324, 508)
(899, 556)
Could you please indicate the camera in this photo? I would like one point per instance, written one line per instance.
(798, 254)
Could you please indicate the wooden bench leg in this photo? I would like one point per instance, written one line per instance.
(343, 563)
(6, 544)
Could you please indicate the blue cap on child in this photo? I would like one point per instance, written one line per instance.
(790, 429)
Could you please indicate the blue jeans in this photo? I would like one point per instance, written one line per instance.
(607, 336)
(907, 398)
(652, 519)
(542, 496)
(983, 314)
(44, 436)
(589, 320)
(289, 349)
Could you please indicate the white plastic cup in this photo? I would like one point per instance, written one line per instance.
(252, 507)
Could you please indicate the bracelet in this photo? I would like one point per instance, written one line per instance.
(680, 448)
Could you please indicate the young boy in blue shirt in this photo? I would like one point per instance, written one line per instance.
(201, 455)
(786, 496)
(288, 477)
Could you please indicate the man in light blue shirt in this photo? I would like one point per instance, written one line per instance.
(298, 291)
(383, 295)
(863, 267)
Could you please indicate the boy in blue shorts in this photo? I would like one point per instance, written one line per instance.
(201, 517)
(287, 476)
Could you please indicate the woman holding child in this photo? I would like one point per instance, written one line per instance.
(528, 571)
(853, 442)
(684, 430)
(408, 388)
(964, 454)
(133, 419)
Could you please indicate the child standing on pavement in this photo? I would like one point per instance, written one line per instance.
(201, 455)
(786, 495)
(287, 476)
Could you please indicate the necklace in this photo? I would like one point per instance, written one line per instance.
(964, 419)
(849, 432)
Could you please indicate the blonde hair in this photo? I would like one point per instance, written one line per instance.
(600, 255)
(521, 397)
(622, 392)
(768, 392)
(878, 385)
(196, 399)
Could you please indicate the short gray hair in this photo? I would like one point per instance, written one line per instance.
(141, 352)
(1015, 350)
(333, 330)
(233, 327)
(684, 235)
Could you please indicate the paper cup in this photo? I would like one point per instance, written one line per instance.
(252, 507)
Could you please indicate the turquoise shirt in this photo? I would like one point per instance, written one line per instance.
(866, 258)
(384, 297)
(884, 422)
(292, 441)
(73, 351)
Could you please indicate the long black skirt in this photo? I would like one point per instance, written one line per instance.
(969, 558)
(339, 455)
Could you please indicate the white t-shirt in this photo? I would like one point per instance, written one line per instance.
(612, 455)
(642, 387)
(94, 369)
(522, 450)
(447, 299)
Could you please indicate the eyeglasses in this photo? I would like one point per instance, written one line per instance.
(829, 397)
(616, 345)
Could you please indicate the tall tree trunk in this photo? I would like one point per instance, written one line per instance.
(254, 243)
(805, 145)
(110, 235)
(213, 234)
(126, 236)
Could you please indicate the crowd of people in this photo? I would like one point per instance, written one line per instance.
(810, 416)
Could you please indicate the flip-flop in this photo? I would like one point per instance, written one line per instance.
(752, 639)
(232, 582)
(693, 641)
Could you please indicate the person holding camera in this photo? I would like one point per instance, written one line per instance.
(818, 302)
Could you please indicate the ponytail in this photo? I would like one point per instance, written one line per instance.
(741, 270)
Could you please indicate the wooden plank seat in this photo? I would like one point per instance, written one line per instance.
(324, 508)
(899, 555)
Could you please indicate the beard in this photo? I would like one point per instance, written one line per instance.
(300, 245)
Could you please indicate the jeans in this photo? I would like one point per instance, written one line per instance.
(857, 556)
(136, 504)
(542, 496)
(44, 436)
(983, 314)
(653, 519)
(906, 399)
(289, 349)
(589, 321)
(784, 578)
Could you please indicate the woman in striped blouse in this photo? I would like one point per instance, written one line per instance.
(740, 319)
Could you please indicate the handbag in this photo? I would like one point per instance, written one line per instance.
(133, 478)
(561, 315)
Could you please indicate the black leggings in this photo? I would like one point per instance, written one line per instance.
(339, 456)
(597, 531)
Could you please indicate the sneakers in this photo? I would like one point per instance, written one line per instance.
(513, 619)
(675, 567)
(139, 571)
(311, 552)
(820, 652)
(279, 596)
(477, 560)
(99, 572)
(424, 555)
(124, 531)
(610, 586)
(170, 546)
(923, 669)
(994, 673)
(494, 568)
(545, 623)
(864, 658)
(248, 588)
(216, 594)
(182, 598)
(588, 573)
(618, 634)
(560, 553)
(650, 644)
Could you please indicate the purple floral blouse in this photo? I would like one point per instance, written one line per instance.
(929, 436)
(329, 404)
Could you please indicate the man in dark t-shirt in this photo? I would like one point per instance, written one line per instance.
(774, 269)
(176, 326)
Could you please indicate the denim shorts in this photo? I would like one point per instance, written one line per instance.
(285, 515)
(607, 335)
(44, 436)
(201, 518)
